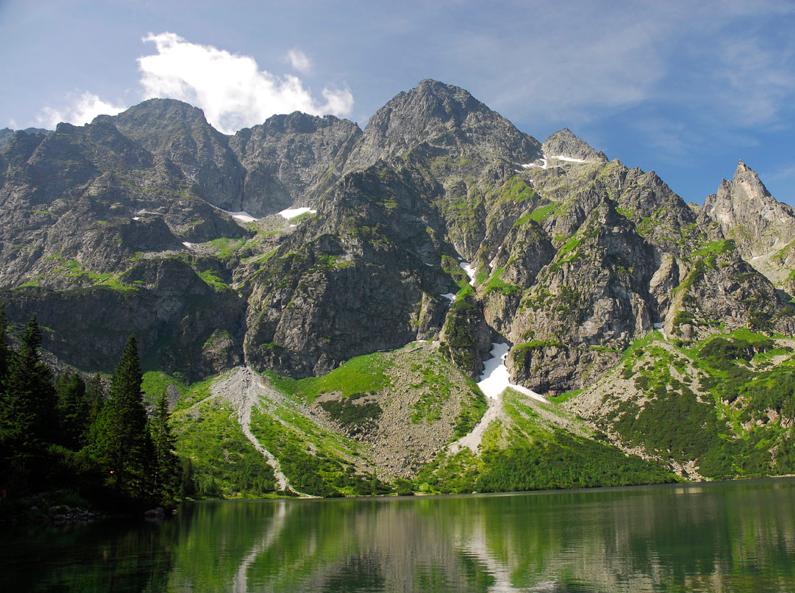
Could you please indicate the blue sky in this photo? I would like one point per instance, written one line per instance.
(683, 88)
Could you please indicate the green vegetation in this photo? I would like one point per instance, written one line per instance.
(71, 268)
(529, 452)
(311, 469)
(212, 280)
(435, 388)
(352, 414)
(359, 375)
(720, 403)
(710, 252)
(224, 463)
(472, 410)
(495, 283)
(227, 247)
(566, 254)
(517, 190)
(452, 269)
(539, 215)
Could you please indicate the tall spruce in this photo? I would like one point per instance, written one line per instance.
(168, 470)
(120, 441)
(95, 399)
(73, 410)
(28, 418)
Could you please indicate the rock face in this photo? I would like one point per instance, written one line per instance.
(762, 227)
(126, 226)
(291, 158)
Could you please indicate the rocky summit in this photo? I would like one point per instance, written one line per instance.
(327, 297)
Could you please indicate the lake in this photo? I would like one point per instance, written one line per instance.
(719, 537)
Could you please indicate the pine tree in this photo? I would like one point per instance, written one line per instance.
(120, 440)
(27, 408)
(95, 399)
(73, 410)
(168, 465)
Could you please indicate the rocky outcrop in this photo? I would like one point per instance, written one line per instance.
(762, 227)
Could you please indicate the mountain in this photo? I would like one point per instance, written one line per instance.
(308, 286)
(762, 227)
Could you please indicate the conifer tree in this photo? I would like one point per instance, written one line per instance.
(167, 463)
(120, 440)
(95, 399)
(72, 410)
(27, 409)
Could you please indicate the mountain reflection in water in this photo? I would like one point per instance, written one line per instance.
(731, 537)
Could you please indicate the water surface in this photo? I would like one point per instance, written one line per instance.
(729, 537)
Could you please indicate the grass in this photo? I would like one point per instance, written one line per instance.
(515, 189)
(538, 215)
(212, 280)
(227, 247)
(359, 375)
(495, 283)
(155, 384)
(312, 470)
(225, 464)
(528, 452)
(72, 269)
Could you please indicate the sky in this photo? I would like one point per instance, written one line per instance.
(683, 88)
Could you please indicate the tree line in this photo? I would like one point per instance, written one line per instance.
(66, 432)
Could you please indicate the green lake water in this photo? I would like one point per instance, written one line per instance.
(723, 537)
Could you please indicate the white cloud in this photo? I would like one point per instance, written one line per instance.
(299, 61)
(81, 109)
(230, 88)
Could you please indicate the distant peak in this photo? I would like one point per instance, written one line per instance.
(566, 143)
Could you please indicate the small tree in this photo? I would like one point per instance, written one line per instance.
(120, 441)
(168, 468)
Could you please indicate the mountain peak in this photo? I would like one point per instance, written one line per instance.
(566, 143)
(446, 117)
(746, 183)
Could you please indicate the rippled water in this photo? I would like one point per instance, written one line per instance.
(732, 537)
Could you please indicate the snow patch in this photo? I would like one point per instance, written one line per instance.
(290, 213)
(568, 159)
(242, 216)
(544, 164)
(495, 378)
(469, 270)
(449, 296)
(136, 218)
(189, 245)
